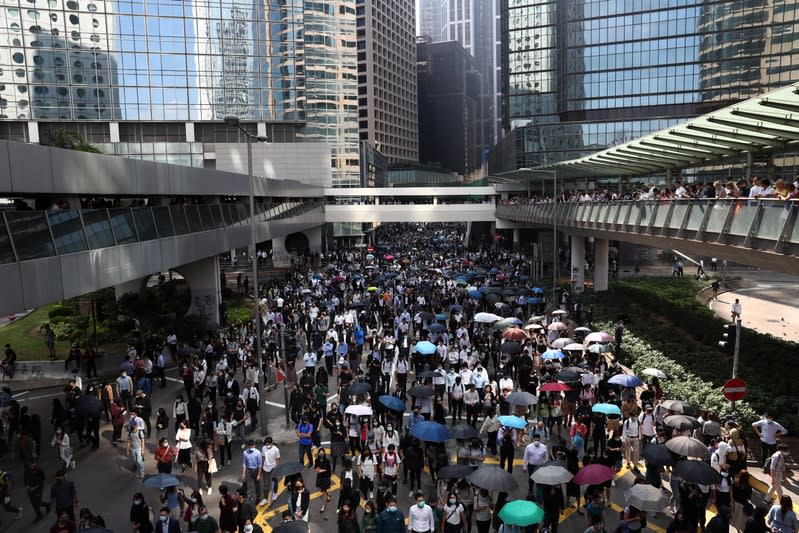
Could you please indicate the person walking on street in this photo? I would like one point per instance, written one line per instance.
(6, 486)
(535, 455)
(251, 463)
(34, 486)
(391, 519)
(777, 471)
(420, 516)
(135, 448)
(768, 430)
(735, 310)
(304, 432)
(781, 518)
(270, 455)
(63, 496)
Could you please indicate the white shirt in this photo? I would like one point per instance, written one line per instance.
(768, 430)
(271, 457)
(421, 518)
(310, 359)
(535, 454)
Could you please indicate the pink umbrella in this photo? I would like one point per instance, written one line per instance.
(593, 474)
(598, 336)
(389, 258)
(554, 387)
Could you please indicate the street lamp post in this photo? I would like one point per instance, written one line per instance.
(233, 120)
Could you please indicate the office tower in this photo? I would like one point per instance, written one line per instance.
(449, 104)
(581, 76)
(429, 19)
(387, 78)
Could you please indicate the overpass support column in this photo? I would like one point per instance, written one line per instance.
(280, 256)
(203, 279)
(314, 239)
(129, 287)
(517, 238)
(578, 263)
(600, 264)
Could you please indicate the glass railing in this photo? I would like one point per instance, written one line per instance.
(754, 223)
(27, 235)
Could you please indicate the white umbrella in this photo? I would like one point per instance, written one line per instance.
(598, 336)
(552, 475)
(358, 410)
(582, 329)
(654, 372)
(560, 312)
(559, 326)
(528, 327)
(561, 342)
(486, 317)
(575, 346)
(646, 498)
(306, 291)
(536, 318)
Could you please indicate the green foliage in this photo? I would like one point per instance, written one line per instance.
(190, 326)
(239, 315)
(667, 316)
(62, 310)
(69, 140)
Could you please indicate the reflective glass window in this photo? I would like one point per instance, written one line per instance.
(163, 221)
(98, 228)
(123, 226)
(179, 219)
(145, 225)
(30, 234)
(216, 213)
(193, 217)
(6, 250)
(67, 231)
(205, 216)
(772, 221)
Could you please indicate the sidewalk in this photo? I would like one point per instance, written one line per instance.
(760, 311)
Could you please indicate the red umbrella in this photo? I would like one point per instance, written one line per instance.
(514, 334)
(555, 386)
(593, 474)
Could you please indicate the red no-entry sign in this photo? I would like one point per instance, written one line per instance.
(734, 390)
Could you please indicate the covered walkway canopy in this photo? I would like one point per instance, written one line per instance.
(766, 123)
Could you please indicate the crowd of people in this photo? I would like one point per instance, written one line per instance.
(414, 331)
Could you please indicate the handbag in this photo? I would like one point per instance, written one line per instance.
(212, 468)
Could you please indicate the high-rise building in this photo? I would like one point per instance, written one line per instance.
(153, 79)
(582, 75)
(387, 78)
(429, 20)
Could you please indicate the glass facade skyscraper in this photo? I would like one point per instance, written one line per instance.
(583, 75)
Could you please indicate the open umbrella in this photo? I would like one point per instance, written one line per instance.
(393, 403)
(653, 372)
(679, 407)
(688, 447)
(574, 347)
(287, 469)
(626, 380)
(437, 328)
(557, 326)
(421, 391)
(599, 336)
(454, 471)
(89, 406)
(161, 481)
(512, 422)
(486, 318)
(493, 479)
(430, 432)
(559, 312)
(427, 316)
(553, 354)
(681, 422)
(294, 526)
(606, 409)
(521, 513)
(463, 431)
(558, 344)
(582, 330)
(358, 410)
(696, 472)
(427, 374)
(658, 455)
(554, 386)
(535, 318)
(522, 398)
(534, 326)
(593, 474)
(646, 497)
(599, 348)
(425, 347)
(567, 375)
(510, 347)
(359, 387)
(514, 334)
(551, 475)
(477, 295)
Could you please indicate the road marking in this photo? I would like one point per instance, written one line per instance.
(41, 396)
(273, 404)
(17, 395)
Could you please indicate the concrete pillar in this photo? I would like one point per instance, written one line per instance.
(134, 286)
(280, 256)
(578, 263)
(517, 238)
(203, 280)
(600, 264)
(314, 239)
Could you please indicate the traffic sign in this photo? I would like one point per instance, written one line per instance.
(735, 389)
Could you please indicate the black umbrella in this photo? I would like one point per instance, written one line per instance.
(454, 471)
(463, 431)
(658, 455)
(696, 472)
(421, 391)
(89, 406)
(687, 447)
(287, 469)
(294, 526)
(427, 316)
(679, 406)
(681, 422)
(510, 347)
(359, 387)
(427, 374)
(522, 398)
(493, 479)
(492, 298)
(567, 376)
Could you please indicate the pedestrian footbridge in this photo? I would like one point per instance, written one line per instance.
(760, 233)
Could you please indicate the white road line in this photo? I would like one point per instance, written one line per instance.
(42, 396)
(273, 404)
(176, 380)
(20, 394)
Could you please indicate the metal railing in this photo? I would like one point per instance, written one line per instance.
(28, 235)
(767, 225)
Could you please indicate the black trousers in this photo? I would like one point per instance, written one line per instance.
(506, 455)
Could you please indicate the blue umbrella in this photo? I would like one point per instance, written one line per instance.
(494, 271)
(425, 347)
(161, 481)
(442, 316)
(355, 277)
(606, 409)
(430, 431)
(437, 328)
(513, 320)
(538, 290)
(552, 354)
(626, 380)
(370, 256)
(513, 422)
(483, 288)
(533, 300)
(524, 277)
(393, 403)
(455, 307)
(475, 294)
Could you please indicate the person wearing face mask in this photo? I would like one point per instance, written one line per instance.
(64, 525)
(369, 520)
(323, 474)
(391, 520)
(244, 509)
(391, 437)
(420, 516)
(205, 523)
(140, 515)
(535, 455)
(164, 456)
(720, 493)
(223, 435)
(299, 501)
(167, 524)
(350, 483)
(271, 460)
(348, 519)
(250, 527)
(453, 519)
